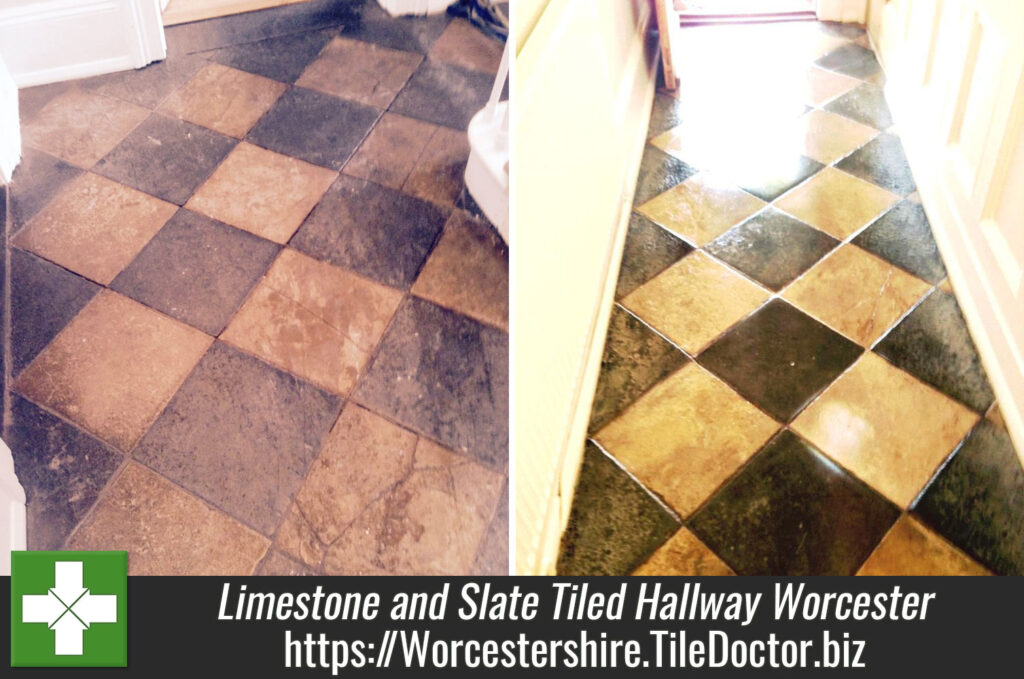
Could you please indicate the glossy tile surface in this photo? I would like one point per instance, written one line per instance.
(865, 104)
(771, 175)
(882, 162)
(684, 554)
(910, 548)
(837, 203)
(648, 251)
(903, 236)
(701, 208)
(659, 172)
(827, 137)
(360, 71)
(852, 60)
(823, 85)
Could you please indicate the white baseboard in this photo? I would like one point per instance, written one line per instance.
(419, 7)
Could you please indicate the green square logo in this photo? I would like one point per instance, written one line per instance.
(69, 609)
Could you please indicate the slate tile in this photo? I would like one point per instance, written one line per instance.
(881, 161)
(648, 251)
(36, 180)
(903, 236)
(865, 104)
(283, 58)
(443, 94)
(659, 172)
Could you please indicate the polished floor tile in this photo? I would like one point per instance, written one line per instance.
(241, 435)
(262, 192)
(886, 427)
(196, 270)
(822, 85)
(772, 248)
(282, 58)
(695, 300)
(390, 152)
(659, 172)
(167, 531)
(701, 208)
(865, 104)
(779, 358)
(856, 293)
(882, 162)
(770, 175)
(791, 511)
(933, 344)
(37, 179)
(439, 173)
(95, 227)
(667, 112)
(827, 137)
(614, 524)
(635, 359)
(684, 554)
(462, 44)
(444, 94)
(314, 320)
(113, 368)
(903, 236)
(977, 501)
(837, 203)
(910, 548)
(686, 436)
(148, 86)
(648, 251)
(360, 71)
(852, 60)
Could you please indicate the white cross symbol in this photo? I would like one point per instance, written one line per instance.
(68, 608)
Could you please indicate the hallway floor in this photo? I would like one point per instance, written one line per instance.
(788, 386)
(257, 326)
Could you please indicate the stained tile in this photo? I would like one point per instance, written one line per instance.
(837, 203)
(439, 173)
(827, 137)
(780, 358)
(686, 436)
(701, 208)
(885, 427)
(262, 192)
(282, 58)
(412, 34)
(224, 99)
(113, 368)
(635, 359)
(166, 158)
(241, 435)
(912, 549)
(462, 44)
(694, 301)
(659, 172)
(37, 179)
(852, 60)
(276, 563)
(684, 554)
(166, 531)
(865, 104)
(769, 175)
(61, 469)
(468, 271)
(903, 236)
(372, 230)
(492, 556)
(389, 154)
(94, 227)
(977, 501)
(445, 376)
(147, 86)
(444, 94)
(883, 163)
(791, 511)
(314, 320)
(315, 127)
(196, 270)
(821, 85)
(772, 247)
(648, 251)
(933, 344)
(614, 523)
(80, 127)
(856, 293)
(360, 71)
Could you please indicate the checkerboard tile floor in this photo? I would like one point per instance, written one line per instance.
(257, 326)
(788, 385)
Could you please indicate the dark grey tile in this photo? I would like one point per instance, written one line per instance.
(770, 177)
(241, 435)
(666, 113)
(443, 94)
(881, 161)
(933, 344)
(282, 58)
(977, 500)
(371, 23)
(492, 555)
(61, 469)
(614, 524)
(852, 60)
(903, 237)
(147, 86)
(197, 270)
(792, 511)
(772, 247)
(166, 158)
(36, 181)
(649, 250)
(315, 127)
(848, 31)
(865, 104)
(659, 172)
(378, 232)
(635, 359)
(44, 299)
(445, 376)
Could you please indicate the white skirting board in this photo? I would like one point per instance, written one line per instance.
(398, 7)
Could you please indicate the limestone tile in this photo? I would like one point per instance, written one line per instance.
(837, 203)
(464, 45)
(821, 85)
(827, 137)
(701, 208)
(276, 563)
(389, 154)
(684, 554)
(912, 549)
(438, 175)
(360, 71)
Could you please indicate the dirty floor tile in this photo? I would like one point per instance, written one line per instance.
(147, 86)
(360, 71)
(444, 94)
(462, 44)
(439, 173)
(389, 154)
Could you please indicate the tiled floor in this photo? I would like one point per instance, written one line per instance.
(253, 327)
(788, 386)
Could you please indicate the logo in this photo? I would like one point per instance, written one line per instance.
(69, 609)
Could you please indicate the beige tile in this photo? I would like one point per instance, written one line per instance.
(686, 436)
(856, 293)
(820, 86)
(886, 427)
(314, 320)
(224, 99)
(995, 416)
(361, 71)
(827, 137)
(468, 271)
(837, 203)
(81, 127)
(701, 208)
(95, 227)
(912, 549)
(684, 554)
(114, 367)
(463, 45)
(438, 175)
(167, 531)
(946, 285)
(262, 192)
(389, 153)
(695, 300)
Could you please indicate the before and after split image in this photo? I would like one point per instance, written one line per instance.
(538, 287)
